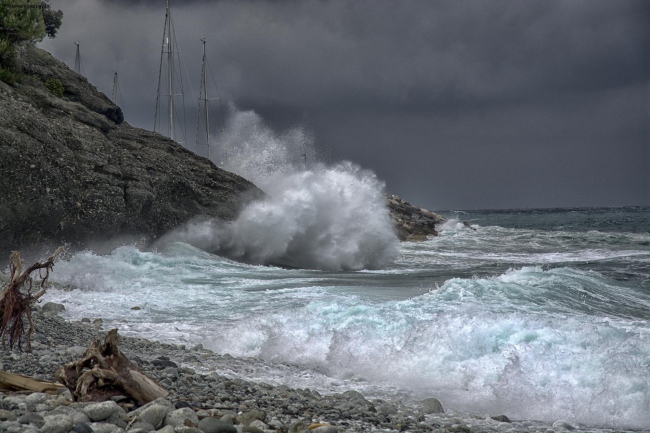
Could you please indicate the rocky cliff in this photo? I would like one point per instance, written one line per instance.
(411, 222)
(72, 169)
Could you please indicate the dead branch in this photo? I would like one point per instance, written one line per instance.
(103, 372)
(16, 300)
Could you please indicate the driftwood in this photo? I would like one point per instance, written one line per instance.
(18, 382)
(15, 304)
(104, 372)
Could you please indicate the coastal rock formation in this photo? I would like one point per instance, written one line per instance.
(73, 170)
(412, 223)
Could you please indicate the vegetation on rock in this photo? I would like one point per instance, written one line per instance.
(21, 22)
(55, 87)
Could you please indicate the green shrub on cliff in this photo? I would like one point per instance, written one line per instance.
(55, 87)
(23, 21)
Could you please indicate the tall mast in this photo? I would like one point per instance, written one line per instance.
(77, 59)
(115, 88)
(168, 49)
(170, 69)
(205, 99)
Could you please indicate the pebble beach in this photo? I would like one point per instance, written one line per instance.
(206, 396)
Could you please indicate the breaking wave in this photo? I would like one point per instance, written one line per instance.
(316, 216)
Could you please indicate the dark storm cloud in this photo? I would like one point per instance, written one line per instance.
(418, 55)
(420, 86)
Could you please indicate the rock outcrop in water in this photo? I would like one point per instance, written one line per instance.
(73, 170)
(411, 222)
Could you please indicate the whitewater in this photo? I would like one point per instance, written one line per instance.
(537, 314)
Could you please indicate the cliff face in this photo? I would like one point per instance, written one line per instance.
(411, 222)
(71, 169)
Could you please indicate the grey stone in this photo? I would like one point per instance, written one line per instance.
(116, 419)
(259, 424)
(36, 398)
(101, 411)
(166, 429)
(563, 424)
(142, 426)
(247, 417)
(387, 409)
(6, 415)
(431, 405)
(251, 429)
(277, 424)
(57, 424)
(154, 415)
(32, 418)
(82, 427)
(501, 418)
(325, 429)
(104, 427)
(228, 418)
(80, 417)
(298, 427)
(186, 429)
(52, 307)
(75, 350)
(213, 425)
(179, 417)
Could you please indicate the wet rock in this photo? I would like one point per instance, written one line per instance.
(323, 428)
(412, 223)
(104, 427)
(95, 176)
(182, 417)
(431, 405)
(563, 424)
(36, 398)
(164, 363)
(52, 308)
(32, 418)
(144, 426)
(501, 418)
(101, 411)
(213, 425)
(82, 427)
(57, 424)
(6, 415)
(247, 417)
(154, 415)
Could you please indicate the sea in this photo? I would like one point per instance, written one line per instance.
(538, 314)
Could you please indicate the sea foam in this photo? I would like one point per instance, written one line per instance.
(316, 216)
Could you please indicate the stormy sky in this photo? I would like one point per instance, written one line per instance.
(454, 104)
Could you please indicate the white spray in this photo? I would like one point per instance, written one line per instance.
(314, 216)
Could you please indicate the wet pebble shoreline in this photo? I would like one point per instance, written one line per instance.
(212, 403)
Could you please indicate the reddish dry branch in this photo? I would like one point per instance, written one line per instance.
(16, 305)
(103, 372)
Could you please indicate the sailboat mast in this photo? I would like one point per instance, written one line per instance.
(115, 89)
(170, 69)
(205, 99)
(77, 59)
